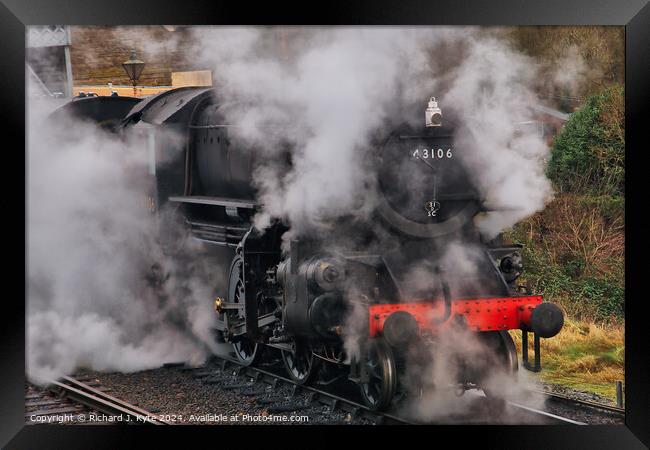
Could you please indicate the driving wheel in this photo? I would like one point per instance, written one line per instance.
(246, 350)
(380, 388)
(300, 363)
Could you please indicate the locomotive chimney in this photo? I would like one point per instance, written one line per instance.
(433, 114)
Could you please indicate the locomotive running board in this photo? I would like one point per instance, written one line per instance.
(215, 201)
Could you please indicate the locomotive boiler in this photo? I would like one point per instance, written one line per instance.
(352, 308)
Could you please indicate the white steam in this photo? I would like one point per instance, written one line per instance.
(337, 88)
(572, 70)
(434, 376)
(504, 151)
(95, 270)
(334, 88)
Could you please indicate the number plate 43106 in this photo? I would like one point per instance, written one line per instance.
(432, 153)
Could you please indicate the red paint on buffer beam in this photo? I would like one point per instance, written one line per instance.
(481, 314)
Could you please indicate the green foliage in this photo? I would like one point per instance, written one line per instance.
(606, 294)
(563, 280)
(610, 207)
(588, 156)
(613, 356)
(588, 163)
(573, 268)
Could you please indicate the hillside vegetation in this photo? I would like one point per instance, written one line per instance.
(574, 250)
(575, 62)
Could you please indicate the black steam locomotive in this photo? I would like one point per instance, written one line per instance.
(353, 308)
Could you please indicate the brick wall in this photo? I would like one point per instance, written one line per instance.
(97, 54)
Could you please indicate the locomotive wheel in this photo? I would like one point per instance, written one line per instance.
(246, 350)
(378, 392)
(301, 365)
(501, 343)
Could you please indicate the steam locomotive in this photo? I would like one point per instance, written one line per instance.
(351, 308)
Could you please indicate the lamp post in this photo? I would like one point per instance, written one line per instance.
(133, 68)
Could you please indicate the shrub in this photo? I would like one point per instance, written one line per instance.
(588, 156)
(605, 294)
(574, 255)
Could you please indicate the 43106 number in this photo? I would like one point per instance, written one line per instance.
(426, 153)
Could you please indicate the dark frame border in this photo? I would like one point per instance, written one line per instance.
(634, 14)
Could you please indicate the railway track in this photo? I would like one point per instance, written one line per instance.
(98, 400)
(264, 383)
(552, 419)
(43, 406)
(587, 411)
(316, 395)
(582, 403)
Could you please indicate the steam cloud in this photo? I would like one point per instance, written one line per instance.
(101, 292)
(338, 87)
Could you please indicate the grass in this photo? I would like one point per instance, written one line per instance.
(585, 356)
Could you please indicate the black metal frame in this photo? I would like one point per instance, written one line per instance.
(634, 14)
